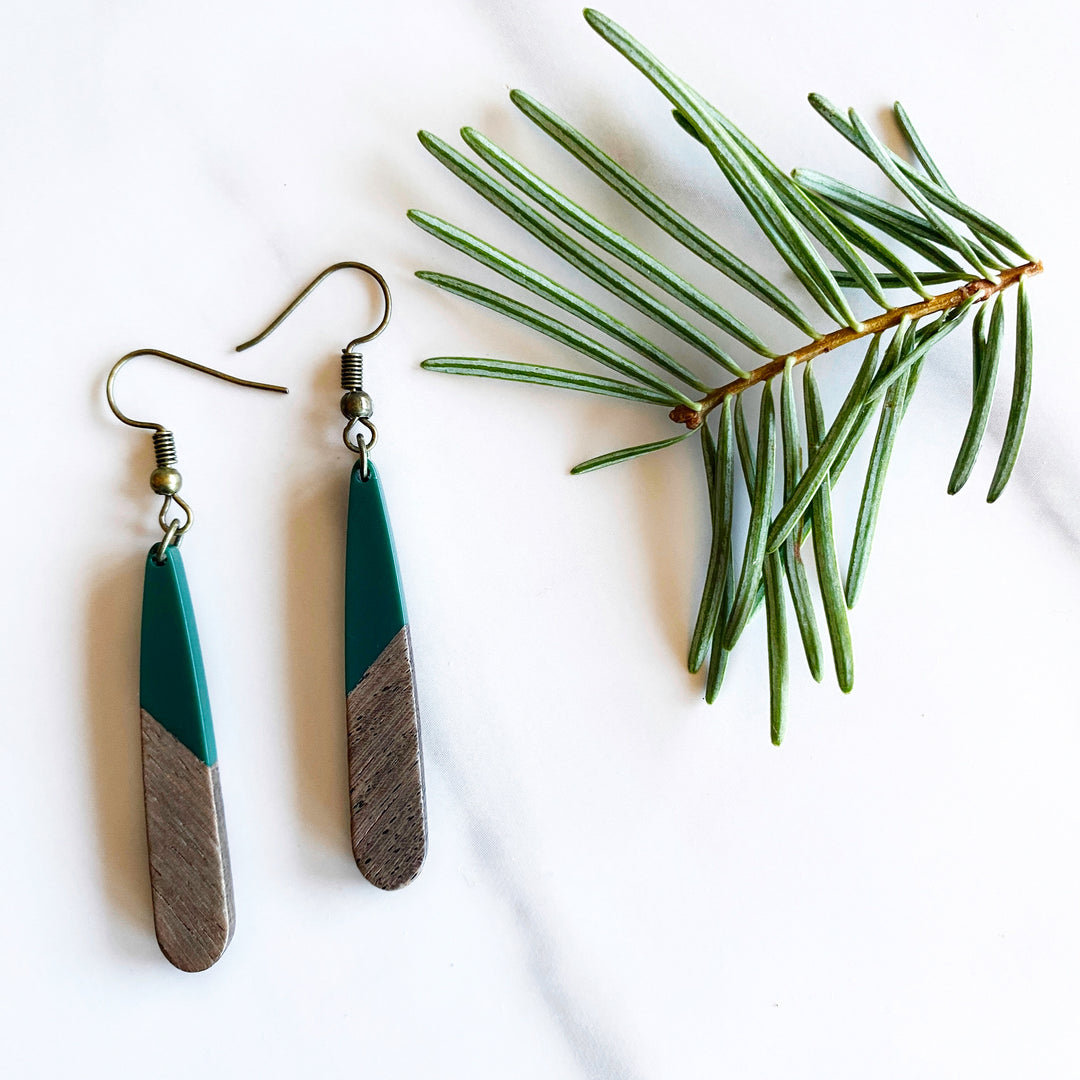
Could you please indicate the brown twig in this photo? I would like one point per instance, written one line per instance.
(983, 288)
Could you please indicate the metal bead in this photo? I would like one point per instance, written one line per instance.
(356, 405)
(165, 480)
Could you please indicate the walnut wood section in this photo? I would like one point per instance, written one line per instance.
(386, 773)
(981, 290)
(189, 853)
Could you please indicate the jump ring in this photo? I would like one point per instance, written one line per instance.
(170, 537)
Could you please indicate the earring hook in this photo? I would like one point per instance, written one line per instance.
(166, 480)
(294, 304)
(110, 383)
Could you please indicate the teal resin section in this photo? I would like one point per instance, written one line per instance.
(172, 683)
(374, 606)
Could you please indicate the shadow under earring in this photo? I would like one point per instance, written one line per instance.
(386, 776)
(190, 878)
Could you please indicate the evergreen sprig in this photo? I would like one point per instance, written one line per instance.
(807, 217)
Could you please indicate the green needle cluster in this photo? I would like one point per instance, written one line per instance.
(810, 220)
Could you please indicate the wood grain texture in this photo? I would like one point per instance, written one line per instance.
(190, 876)
(386, 773)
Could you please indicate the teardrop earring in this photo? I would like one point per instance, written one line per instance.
(190, 879)
(386, 778)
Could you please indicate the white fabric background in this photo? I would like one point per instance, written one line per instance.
(622, 881)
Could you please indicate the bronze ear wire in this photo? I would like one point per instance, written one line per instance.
(356, 405)
(166, 480)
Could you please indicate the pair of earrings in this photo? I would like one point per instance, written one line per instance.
(190, 878)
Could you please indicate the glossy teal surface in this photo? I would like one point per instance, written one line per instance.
(374, 606)
(172, 684)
